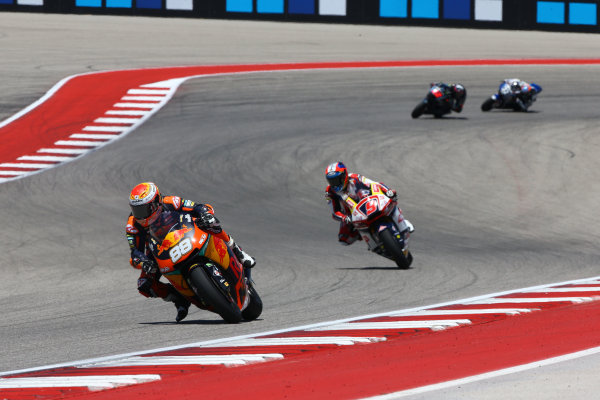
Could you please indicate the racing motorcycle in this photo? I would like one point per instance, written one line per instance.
(504, 98)
(202, 268)
(376, 217)
(436, 102)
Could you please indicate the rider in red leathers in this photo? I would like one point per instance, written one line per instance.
(343, 185)
(146, 205)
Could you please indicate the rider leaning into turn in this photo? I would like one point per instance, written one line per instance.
(146, 205)
(343, 185)
(455, 92)
(521, 92)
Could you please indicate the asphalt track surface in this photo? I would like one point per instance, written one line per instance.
(500, 200)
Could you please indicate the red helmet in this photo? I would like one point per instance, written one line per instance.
(146, 203)
(337, 176)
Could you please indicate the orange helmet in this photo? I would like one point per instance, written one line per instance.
(146, 203)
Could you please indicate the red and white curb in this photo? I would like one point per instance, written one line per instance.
(130, 369)
(129, 111)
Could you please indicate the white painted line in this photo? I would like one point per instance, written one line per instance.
(148, 91)
(100, 381)
(107, 136)
(105, 128)
(487, 375)
(45, 158)
(116, 120)
(78, 143)
(127, 112)
(432, 324)
(226, 359)
(64, 151)
(143, 98)
(530, 300)
(13, 173)
(509, 311)
(226, 341)
(567, 289)
(300, 341)
(135, 105)
(26, 165)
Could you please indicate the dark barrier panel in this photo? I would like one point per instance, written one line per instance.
(555, 15)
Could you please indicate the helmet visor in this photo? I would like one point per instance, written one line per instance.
(143, 211)
(336, 180)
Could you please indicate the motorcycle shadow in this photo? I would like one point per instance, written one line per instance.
(444, 118)
(372, 268)
(510, 111)
(193, 322)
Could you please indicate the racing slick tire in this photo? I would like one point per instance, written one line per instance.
(207, 290)
(419, 110)
(487, 105)
(254, 308)
(392, 247)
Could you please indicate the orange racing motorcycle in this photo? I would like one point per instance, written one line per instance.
(202, 268)
(376, 218)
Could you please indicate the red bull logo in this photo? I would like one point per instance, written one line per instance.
(172, 239)
(221, 248)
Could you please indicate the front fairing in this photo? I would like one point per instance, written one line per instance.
(174, 238)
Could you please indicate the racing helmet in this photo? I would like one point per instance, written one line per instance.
(337, 176)
(515, 86)
(146, 203)
(459, 91)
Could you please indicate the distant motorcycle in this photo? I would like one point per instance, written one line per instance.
(506, 99)
(375, 217)
(202, 268)
(436, 102)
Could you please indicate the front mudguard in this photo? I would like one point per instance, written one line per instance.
(387, 224)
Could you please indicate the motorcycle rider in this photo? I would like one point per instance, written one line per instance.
(343, 185)
(455, 92)
(521, 93)
(147, 204)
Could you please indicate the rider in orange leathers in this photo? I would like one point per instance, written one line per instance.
(342, 185)
(146, 205)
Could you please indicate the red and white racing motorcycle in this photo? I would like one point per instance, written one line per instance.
(380, 223)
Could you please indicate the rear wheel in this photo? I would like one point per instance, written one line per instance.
(392, 247)
(419, 110)
(254, 308)
(487, 105)
(211, 295)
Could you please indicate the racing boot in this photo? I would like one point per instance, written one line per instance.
(181, 304)
(244, 258)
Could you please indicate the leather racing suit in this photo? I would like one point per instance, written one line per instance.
(358, 187)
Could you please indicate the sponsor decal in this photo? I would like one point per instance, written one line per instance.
(176, 202)
(172, 239)
(131, 229)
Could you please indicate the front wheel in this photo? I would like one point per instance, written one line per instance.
(254, 308)
(392, 247)
(487, 105)
(207, 290)
(419, 110)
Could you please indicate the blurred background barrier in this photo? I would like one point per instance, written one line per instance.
(552, 15)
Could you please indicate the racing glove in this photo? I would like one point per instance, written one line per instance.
(149, 267)
(208, 221)
(392, 194)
